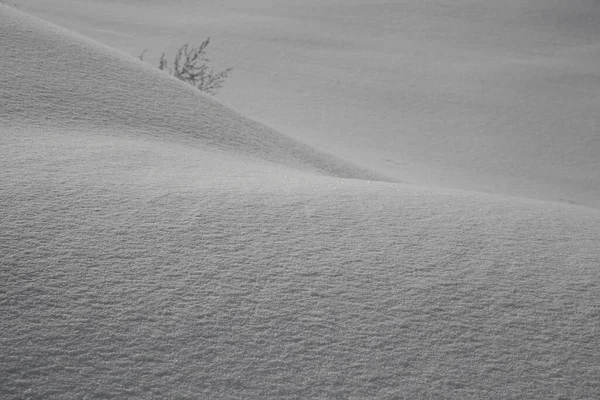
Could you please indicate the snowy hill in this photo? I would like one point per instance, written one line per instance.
(496, 96)
(81, 85)
(156, 244)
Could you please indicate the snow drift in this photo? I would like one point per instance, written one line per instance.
(155, 244)
(498, 96)
(58, 79)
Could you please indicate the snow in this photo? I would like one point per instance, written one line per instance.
(154, 243)
(490, 95)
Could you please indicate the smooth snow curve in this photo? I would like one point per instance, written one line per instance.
(58, 79)
(150, 253)
(496, 96)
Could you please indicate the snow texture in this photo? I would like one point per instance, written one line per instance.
(497, 96)
(154, 243)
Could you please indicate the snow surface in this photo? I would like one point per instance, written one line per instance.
(498, 96)
(155, 243)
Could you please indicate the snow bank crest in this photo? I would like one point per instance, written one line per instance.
(58, 79)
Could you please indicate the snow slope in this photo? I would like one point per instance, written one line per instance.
(156, 244)
(498, 96)
(80, 85)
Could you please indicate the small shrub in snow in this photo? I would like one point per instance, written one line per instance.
(191, 66)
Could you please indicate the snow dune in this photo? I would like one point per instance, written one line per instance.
(497, 96)
(70, 82)
(156, 244)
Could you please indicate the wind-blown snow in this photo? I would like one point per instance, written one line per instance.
(498, 96)
(72, 82)
(156, 244)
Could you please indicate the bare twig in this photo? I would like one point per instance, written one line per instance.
(191, 66)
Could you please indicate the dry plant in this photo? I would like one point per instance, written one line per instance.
(191, 66)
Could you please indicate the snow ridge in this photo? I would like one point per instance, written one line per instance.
(58, 79)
